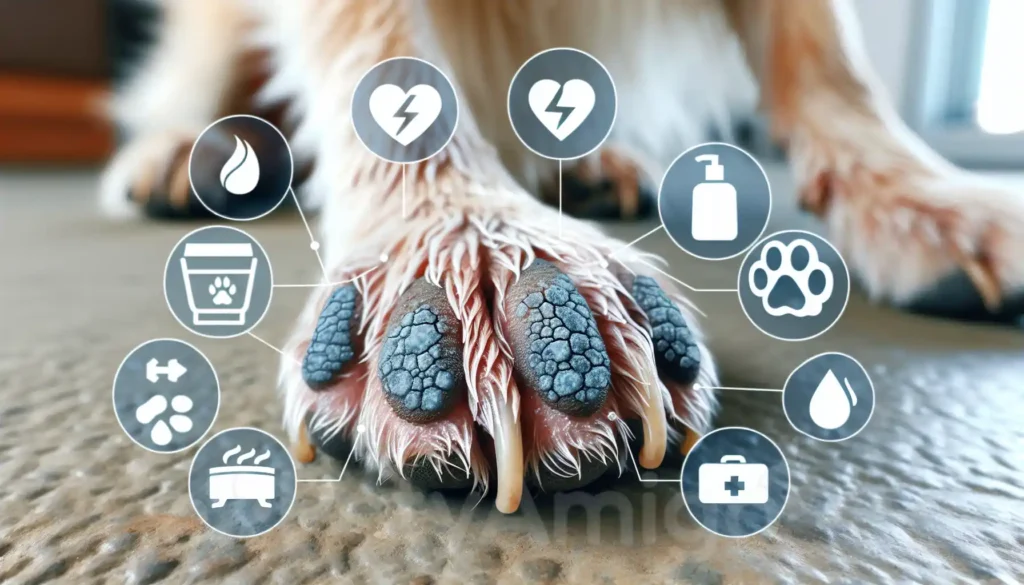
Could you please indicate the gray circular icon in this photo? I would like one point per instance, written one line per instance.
(715, 201)
(829, 397)
(793, 285)
(166, 395)
(218, 282)
(735, 482)
(241, 167)
(242, 482)
(562, 103)
(405, 110)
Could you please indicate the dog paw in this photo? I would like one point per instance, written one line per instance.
(608, 184)
(488, 351)
(150, 174)
(915, 230)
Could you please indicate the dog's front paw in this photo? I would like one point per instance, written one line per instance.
(489, 350)
(914, 229)
(150, 173)
(611, 183)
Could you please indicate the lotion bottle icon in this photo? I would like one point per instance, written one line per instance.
(715, 217)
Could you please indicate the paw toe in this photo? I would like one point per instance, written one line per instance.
(559, 353)
(420, 364)
(676, 352)
(332, 346)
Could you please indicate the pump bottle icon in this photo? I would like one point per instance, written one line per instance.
(715, 217)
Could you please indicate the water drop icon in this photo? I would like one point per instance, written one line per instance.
(831, 403)
(241, 173)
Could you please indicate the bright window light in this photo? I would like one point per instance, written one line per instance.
(1001, 95)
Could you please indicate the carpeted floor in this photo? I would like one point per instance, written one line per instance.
(932, 491)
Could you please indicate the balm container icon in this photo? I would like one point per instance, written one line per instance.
(218, 282)
(715, 217)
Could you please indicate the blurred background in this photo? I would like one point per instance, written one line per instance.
(953, 66)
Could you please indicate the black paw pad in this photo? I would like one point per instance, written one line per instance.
(675, 348)
(331, 347)
(423, 475)
(559, 352)
(421, 359)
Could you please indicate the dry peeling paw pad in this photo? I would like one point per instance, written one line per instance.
(421, 360)
(675, 347)
(331, 347)
(559, 352)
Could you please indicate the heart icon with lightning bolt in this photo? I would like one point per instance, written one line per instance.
(561, 108)
(405, 115)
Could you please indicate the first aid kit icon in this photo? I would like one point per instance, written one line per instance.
(733, 481)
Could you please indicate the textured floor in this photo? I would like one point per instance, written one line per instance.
(932, 491)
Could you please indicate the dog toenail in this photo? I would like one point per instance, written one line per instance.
(559, 351)
(420, 362)
(331, 347)
(328, 440)
(675, 349)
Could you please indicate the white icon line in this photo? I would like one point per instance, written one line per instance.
(266, 343)
(631, 244)
(559, 198)
(639, 477)
(701, 387)
(313, 244)
(359, 435)
(677, 281)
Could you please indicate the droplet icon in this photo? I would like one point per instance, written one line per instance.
(241, 173)
(831, 403)
(161, 434)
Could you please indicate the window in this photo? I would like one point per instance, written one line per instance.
(967, 99)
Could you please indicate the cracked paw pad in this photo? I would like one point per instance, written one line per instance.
(421, 360)
(331, 347)
(559, 352)
(675, 349)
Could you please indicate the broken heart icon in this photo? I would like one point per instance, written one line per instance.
(561, 108)
(405, 116)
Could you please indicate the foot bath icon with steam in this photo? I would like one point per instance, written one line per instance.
(242, 482)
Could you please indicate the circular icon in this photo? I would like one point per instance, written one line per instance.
(242, 482)
(405, 110)
(166, 395)
(241, 167)
(562, 103)
(829, 397)
(735, 482)
(793, 285)
(218, 282)
(714, 201)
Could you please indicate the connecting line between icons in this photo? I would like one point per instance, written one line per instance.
(740, 388)
(268, 344)
(313, 244)
(405, 215)
(639, 477)
(383, 259)
(559, 198)
(359, 435)
(631, 244)
(677, 281)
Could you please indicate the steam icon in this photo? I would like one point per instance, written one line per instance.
(241, 173)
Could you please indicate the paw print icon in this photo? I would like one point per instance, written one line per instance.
(795, 264)
(793, 285)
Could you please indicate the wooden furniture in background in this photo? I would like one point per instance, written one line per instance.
(53, 120)
(55, 67)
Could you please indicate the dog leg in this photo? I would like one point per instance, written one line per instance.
(612, 183)
(194, 72)
(905, 219)
(487, 348)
